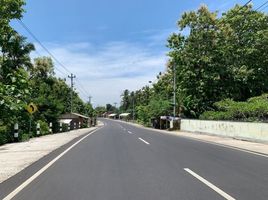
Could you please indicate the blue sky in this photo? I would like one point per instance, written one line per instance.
(110, 45)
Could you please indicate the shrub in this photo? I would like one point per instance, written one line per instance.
(254, 109)
(24, 137)
(44, 128)
(3, 135)
(65, 127)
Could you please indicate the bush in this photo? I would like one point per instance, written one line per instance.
(4, 138)
(143, 116)
(24, 137)
(255, 109)
(44, 128)
(65, 127)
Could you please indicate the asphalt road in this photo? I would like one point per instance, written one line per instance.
(125, 162)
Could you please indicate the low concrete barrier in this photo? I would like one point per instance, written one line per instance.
(243, 130)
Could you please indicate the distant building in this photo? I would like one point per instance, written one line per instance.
(75, 119)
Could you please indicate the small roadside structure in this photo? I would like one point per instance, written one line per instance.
(124, 116)
(168, 122)
(75, 120)
(112, 116)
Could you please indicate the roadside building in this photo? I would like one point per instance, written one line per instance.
(124, 116)
(75, 120)
(112, 116)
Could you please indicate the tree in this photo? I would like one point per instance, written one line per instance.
(46, 91)
(14, 63)
(22, 81)
(100, 110)
(15, 60)
(220, 58)
(125, 103)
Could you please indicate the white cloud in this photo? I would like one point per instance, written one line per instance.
(107, 70)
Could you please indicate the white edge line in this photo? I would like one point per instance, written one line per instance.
(144, 141)
(213, 187)
(199, 140)
(38, 173)
(225, 145)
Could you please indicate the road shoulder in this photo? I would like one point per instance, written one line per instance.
(235, 143)
(23, 174)
(15, 157)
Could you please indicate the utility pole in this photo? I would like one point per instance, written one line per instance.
(89, 99)
(174, 90)
(72, 86)
(115, 109)
(133, 108)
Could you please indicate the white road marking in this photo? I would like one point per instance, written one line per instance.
(33, 177)
(226, 146)
(144, 141)
(199, 140)
(129, 132)
(213, 187)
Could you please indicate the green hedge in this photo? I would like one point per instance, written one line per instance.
(254, 109)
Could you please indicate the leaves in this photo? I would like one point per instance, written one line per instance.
(22, 81)
(221, 57)
(254, 109)
(215, 58)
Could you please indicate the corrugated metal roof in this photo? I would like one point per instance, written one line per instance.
(72, 116)
(124, 114)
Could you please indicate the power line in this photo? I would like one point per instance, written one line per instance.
(38, 41)
(82, 88)
(55, 59)
(264, 8)
(261, 5)
(246, 3)
(39, 54)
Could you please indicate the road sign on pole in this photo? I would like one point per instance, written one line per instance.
(31, 108)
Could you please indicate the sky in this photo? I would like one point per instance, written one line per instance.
(110, 45)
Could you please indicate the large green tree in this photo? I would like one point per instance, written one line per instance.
(15, 61)
(221, 57)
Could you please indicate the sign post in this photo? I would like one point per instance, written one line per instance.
(38, 129)
(31, 108)
(16, 131)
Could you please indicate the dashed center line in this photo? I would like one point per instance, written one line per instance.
(213, 187)
(144, 141)
(129, 132)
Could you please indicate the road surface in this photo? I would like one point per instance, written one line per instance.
(124, 162)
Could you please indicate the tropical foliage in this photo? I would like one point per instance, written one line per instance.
(254, 109)
(214, 57)
(23, 81)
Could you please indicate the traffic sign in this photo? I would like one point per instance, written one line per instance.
(31, 108)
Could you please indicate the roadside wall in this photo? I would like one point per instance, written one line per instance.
(246, 130)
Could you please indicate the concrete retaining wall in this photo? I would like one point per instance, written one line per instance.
(246, 130)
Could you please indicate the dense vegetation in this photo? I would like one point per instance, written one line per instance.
(254, 109)
(216, 58)
(23, 81)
